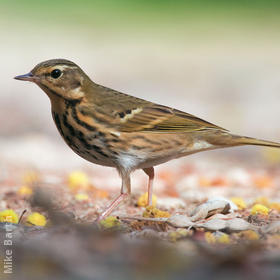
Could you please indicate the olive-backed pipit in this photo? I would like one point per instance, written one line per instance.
(114, 129)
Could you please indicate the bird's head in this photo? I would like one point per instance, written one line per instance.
(58, 77)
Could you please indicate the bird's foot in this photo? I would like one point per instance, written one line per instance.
(112, 206)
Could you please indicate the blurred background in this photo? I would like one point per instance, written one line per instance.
(218, 60)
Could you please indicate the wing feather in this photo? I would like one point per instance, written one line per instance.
(126, 113)
(158, 118)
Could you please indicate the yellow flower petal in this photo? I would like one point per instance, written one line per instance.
(152, 212)
(143, 200)
(250, 235)
(78, 180)
(173, 236)
(240, 203)
(224, 239)
(259, 209)
(25, 190)
(37, 219)
(9, 216)
(209, 237)
(110, 222)
(81, 197)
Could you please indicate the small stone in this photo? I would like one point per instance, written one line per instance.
(213, 224)
(238, 224)
(273, 227)
(180, 221)
(233, 225)
(210, 208)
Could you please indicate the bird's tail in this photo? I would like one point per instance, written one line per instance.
(253, 141)
(228, 140)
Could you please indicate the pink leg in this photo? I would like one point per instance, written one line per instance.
(125, 192)
(151, 173)
(112, 206)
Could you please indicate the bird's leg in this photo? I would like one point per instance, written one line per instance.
(125, 192)
(112, 206)
(151, 173)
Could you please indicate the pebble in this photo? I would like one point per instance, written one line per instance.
(180, 221)
(210, 208)
(233, 225)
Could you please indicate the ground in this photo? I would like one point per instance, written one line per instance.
(213, 216)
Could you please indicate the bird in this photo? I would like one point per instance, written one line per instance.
(114, 129)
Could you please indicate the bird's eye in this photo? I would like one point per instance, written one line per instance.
(56, 73)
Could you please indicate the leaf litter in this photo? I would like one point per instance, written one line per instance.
(199, 221)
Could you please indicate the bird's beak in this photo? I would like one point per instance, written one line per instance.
(26, 77)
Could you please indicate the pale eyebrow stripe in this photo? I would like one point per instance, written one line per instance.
(63, 67)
